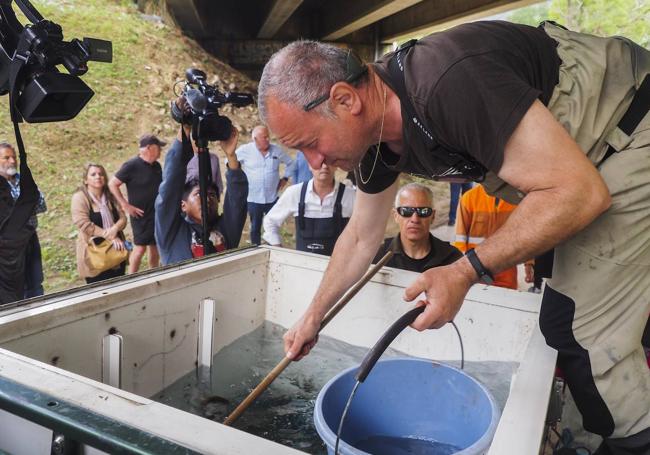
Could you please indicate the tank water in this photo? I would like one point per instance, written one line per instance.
(283, 413)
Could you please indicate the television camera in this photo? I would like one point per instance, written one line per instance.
(29, 57)
(203, 102)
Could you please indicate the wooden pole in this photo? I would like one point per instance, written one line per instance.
(279, 368)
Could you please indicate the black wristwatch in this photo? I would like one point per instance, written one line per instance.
(484, 274)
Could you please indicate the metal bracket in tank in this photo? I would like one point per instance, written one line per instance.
(207, 311)
(63, 446)
(112, 359)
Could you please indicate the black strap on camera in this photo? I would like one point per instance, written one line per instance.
(21, 212)
(462, 166)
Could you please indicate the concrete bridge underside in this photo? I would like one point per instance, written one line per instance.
(244, 33)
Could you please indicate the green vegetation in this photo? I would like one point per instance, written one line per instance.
(131, 98)
(627, 18)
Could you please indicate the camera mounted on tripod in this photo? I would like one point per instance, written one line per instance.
(29, 56)
(204, 101)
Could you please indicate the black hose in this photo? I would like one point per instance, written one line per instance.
(345, 413)
(371, 358)
(377, 350)
(386, 339)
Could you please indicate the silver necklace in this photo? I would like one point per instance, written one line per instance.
(381, 132)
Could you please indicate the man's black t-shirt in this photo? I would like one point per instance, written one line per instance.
(471, 86)
(441, 253)
(142, 181)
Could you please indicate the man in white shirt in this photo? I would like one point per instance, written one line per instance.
(321, 207)
(260, 161)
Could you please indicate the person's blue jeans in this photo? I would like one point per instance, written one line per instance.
(33, 268)
(455, 191)
(256, 213)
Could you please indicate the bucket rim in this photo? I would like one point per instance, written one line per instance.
(329, 437)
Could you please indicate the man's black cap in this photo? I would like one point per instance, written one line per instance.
(150, 139)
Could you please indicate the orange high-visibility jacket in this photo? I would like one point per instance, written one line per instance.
(479, 216)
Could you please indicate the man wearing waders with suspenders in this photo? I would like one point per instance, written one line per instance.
(321, 208)
(318, 235)
(548, 118)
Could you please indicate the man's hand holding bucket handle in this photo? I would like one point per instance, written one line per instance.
(444, 289)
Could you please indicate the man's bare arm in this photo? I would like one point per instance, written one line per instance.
(564, 194)
(354, 250)
(114, 186)
(564, 191)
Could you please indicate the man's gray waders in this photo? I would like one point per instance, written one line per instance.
(596, 305)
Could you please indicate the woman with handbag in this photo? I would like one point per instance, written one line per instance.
(101, 249)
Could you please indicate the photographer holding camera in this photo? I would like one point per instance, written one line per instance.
(178, 223)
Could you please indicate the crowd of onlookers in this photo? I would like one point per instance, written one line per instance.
(163, 207)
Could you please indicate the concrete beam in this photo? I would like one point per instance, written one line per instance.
(430, 17)
(187, 16)
(342, 17)
(280, 12)
(250, 56)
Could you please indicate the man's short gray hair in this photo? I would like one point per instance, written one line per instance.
(301, 72)
(414, 187)
(257, 129)
(7, 145)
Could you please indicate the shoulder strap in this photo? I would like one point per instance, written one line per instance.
(638, 108)
(461, 164)
(339, 198)
(634, 114)
(338, 208)
(301, 206)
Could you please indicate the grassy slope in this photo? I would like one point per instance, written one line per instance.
(132, 96)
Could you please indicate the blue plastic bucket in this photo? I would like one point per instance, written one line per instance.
(407, 400)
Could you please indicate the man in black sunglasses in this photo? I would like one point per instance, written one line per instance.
(414, 247)
(553, 120)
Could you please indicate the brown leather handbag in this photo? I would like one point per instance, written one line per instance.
(102, 256)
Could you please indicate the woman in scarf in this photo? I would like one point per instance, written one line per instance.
(98, 216)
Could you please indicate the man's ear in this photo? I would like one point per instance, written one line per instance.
(345, 96)
(184, 206)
